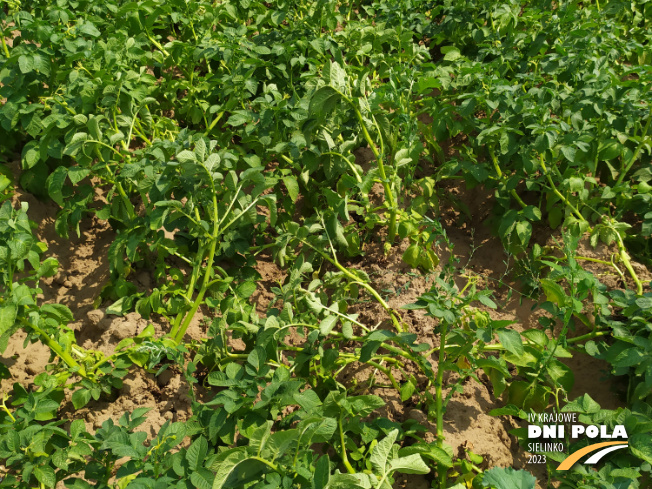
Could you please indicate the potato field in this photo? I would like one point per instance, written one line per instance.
(326, 244)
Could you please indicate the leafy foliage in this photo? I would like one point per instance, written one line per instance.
(206, 133)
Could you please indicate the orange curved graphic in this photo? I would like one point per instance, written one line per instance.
(568, 462)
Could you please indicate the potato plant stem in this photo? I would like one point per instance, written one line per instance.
(358, 178)
(390, 348)
(593, 334)
(551, 354)
(121, 191)
(4, 47)
(195, 272)
(388, 374)
(624, 256)
(5, 409)
(589, 336)
(357, 280)
(179, 330)
(557, 192)
(215, 121)
(128, 205)
(157, 44)
(594, 260)
(393, 207)
(140, 132)
(271, 465)
(345, 459)
(64, 104)
(348, 16)
(637, 152)
(501, 177)
(56, 348)
(103, 144)
(180, 326)
(603, 262)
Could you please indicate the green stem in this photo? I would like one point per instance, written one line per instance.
(344, 316)
(390, 348)
(6, 410)
(232, 221)
(194, 34)
(382, 480)
(83, 68)
(157, 44)
(589, 336)
(133, 123)
(233, 356)
(557, 192)
(356, 279)
(383, 358)
(56, 348)
(624, 256)
(128, 205)
(102, 362)
(215, 121)
(353, 168)
(64, 104)
(345, 459)
(497, 347)
(637, 152)
(348, 16)
(179, 330)
(393, 207)
(178, 333)
(387, 373)
(103, 144)
(271, 465)
(603, 262)
(287, 159)
(261, 248)
(179, 327)
(594, 260)
(140, 132)
(4, 47)
(501, 177)
(195, 272)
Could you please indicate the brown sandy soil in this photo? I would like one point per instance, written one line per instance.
(84, 270)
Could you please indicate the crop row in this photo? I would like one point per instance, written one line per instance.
(220, 131)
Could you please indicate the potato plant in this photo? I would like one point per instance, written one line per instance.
(210, 134)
